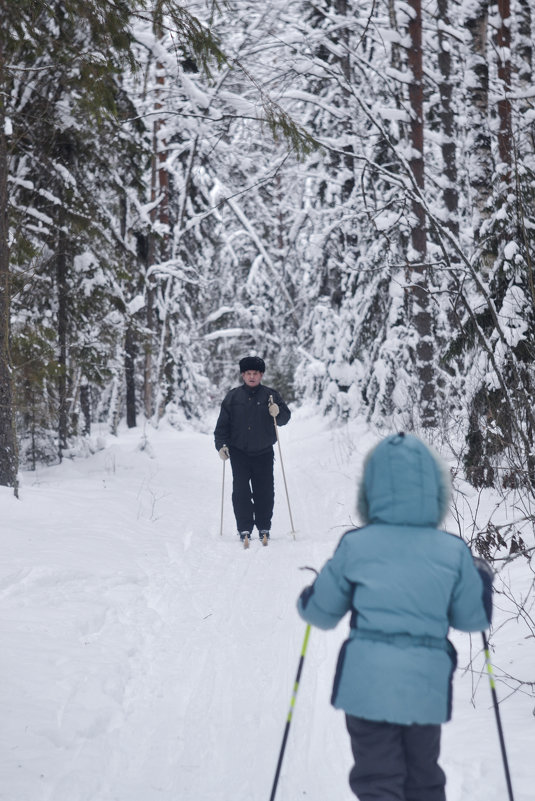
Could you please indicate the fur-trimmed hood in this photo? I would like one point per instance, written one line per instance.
(404, 483)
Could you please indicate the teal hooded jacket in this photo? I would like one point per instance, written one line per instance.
(405, 582)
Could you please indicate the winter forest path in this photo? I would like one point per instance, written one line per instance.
(151, 659)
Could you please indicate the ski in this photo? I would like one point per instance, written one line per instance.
(246, 542)
(265, 539)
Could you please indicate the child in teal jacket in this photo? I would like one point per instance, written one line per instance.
(405, 583)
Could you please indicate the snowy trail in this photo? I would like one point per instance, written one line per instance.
(152, 659)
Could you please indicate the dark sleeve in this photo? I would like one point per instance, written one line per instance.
(471, 601)
(222, 427)
(284, 413)
(486, 574)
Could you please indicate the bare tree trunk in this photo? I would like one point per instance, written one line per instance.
(160, 221)
(342, 10)
(505, 131)
(130, 376)
(421, 315)
(8, 440)
(416, 100)
(114, 412)
(395, 53)
(447, 120)
(129, 349)
(62, 292)
(85, 406)
(149, 341)
(480, 162)
(524, 140)
(524, 46)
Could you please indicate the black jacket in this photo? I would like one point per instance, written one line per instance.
(244, 421)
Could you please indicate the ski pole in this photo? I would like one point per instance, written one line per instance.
(497, 713)
(222, 497)
(283, 473)
(290, 712)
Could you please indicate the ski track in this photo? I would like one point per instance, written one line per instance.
(152, 659)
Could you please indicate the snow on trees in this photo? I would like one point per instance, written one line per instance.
(345, 187)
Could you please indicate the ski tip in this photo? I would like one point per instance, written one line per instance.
(246, 542)
(265, 539)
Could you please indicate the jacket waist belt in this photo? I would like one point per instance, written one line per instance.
(403, 640)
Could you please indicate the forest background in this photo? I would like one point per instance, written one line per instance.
(345, 188)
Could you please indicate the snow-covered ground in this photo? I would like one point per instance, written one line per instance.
(145, 657)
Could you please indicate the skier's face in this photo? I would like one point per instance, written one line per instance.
(252, 377)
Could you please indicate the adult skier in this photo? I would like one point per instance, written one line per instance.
(405, 583)
(245, 433)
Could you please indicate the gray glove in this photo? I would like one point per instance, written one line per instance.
(224, 453)
(273, 409)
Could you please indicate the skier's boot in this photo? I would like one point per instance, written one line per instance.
(244, 537)
(264, 536)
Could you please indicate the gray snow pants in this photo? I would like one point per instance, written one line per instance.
(394, 762)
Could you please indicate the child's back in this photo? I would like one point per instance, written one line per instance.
(405, 583)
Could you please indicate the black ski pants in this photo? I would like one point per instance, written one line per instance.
(394, 762)
(253, 491)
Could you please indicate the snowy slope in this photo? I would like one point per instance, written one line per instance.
(145, 657)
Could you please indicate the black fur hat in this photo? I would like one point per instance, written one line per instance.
(252, 363)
